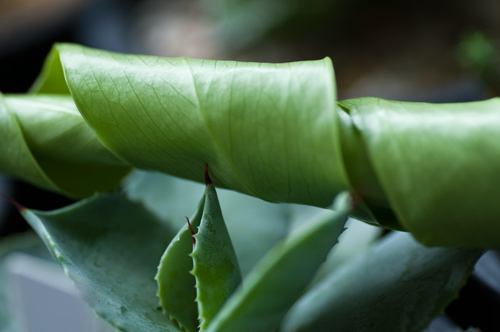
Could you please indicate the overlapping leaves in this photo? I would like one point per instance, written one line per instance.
(273, 131)
(111, 247)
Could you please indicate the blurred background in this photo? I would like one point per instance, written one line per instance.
(433, 51)
(424, 50)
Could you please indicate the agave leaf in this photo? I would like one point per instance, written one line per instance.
(176, 284)
(46, 141)
(396, 285)
(355, 239)
(212, 262)
(110, 247)
(215, 266)
(272, 287)
(255, 226)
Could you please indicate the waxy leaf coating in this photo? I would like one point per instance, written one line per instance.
(212, 262)
(396, 285)
(176, 285)
(279, 279)
(110, 247)
(215, 265)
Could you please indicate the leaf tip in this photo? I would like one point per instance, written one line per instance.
(208, 181)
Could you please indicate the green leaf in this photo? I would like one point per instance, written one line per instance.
(169, 115)
(255, 226)
(272, 287)
(273, 131)
(397, 285)
(436, 163)
(213, 262)
(51, 78)
(215, 266)
(176, 284)
(48, 144)
(354, 240)
(110, 247)
(16, 158)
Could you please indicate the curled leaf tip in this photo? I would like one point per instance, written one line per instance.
(192, 231)
(208, 181)
(13, 202)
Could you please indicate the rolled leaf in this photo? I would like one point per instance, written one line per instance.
(438, 165)
(274, 131)
(272, 125)
(44, 140)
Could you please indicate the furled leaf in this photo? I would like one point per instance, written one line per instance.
(51, 78)
(397, 285)
(274, 131)
(272, 287)
(110, 247)
(436, 163)
(46, 141)
(169, 115)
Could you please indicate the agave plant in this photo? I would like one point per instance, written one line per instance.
(129, 134)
